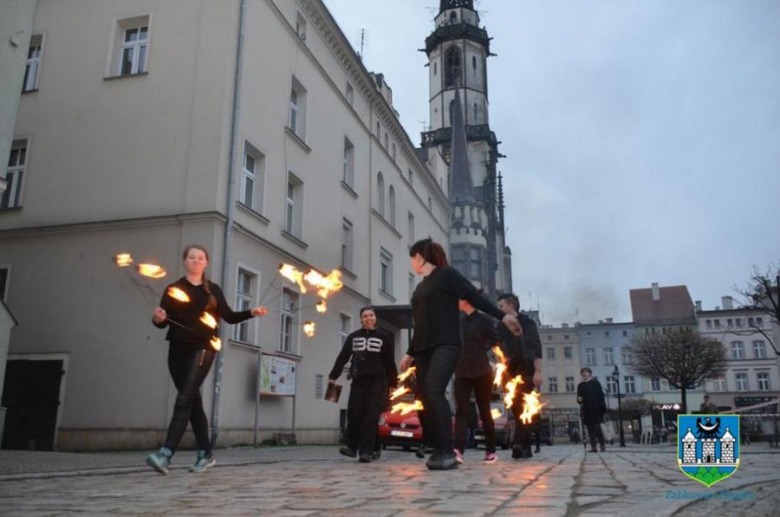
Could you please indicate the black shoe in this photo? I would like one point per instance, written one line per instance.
(526, 453)
(346, 451)
(538, 449)
(364, 457)
(420, 452)
(442, 461)
(517, 453)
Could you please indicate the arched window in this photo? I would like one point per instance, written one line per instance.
(475, 113)
(453, 17)
(391, 198)
(380, 192)
(378, 130)
(452, 67)
(474, 62)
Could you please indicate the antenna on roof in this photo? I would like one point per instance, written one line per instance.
(362, 43)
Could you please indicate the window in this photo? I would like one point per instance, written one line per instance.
(297, 122)
(33, 69)
(569, 384)
(551, 353)
(391, 203)
(475, 261)
(630, 384)
(253, 179)
(385, 272)
(628, 356)
(131, 48)
(453, 17)
(378, 131)
(380, 193)
(738, 322)
(590, 356)
(345, 328)
(608, 356)
(566, 337)
(319, 386)
(611, 385)
(736, 350)
(587, 333)
(393, 151)
(410, 176)
(430, 204)
(410, 230)
(14, 175)
(553, 384)
(655, 384)
(452, 67)
(300, 26)
(742, 381)
(760, 322)
(459, 258)
(759, 350)
(294, 216)
(709, 324)
(289, 312)
(567, 352)
(763, 381)
(717, 323)
(606, 333)
(244, 298)
(625, 333)
(474, 63)
(549, 337)
(350, 94)
(346, 244)
(348, 174)
(720, 383)
(475, 113)
(4, 273)
(729, 323)
(435, 68)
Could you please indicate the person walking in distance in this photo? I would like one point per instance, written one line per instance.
(590, 397)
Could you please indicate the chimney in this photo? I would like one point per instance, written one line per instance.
(698, 306)
(656, 292)
(728, 303)
(609, 320)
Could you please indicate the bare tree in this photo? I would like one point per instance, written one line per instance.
(681, 356)
(760, 295)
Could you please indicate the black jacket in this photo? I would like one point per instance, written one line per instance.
(479, 336)
(196, 334)
(522, 350)
(435, 308)
(372, 353)
(593, 407)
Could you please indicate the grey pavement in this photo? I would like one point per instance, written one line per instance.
(561, 481)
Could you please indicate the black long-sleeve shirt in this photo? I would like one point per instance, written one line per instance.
(479, 336)
(522, 350)
(435, 308)
(187, 314)
(372, 353)
(591, 397)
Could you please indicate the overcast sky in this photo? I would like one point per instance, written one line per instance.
(642, 138)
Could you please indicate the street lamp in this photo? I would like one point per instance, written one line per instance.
(616, 374)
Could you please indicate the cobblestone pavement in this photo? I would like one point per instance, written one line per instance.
(561, 481)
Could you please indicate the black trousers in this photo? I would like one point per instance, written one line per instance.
(594, 431)
(482, 387)
(366, 399)
(523, 432)
(189, 369)
(435, 367)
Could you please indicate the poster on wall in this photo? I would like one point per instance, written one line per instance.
(277, 376)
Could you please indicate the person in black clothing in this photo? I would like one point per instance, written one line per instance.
(191, 354)
(373, 372)
(436, 342)
(525, 358)
(474, 373)
(590, 397)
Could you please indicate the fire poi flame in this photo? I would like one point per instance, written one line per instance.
(511, 387)
(151, 270)
(292, 274)
(531, 406)
(216, 343)
(178, 294)
(325, 285)
(500, 369)
(208, 320)
(403, 390)
(408, 373)
(308, 328)
(495, 413)
(123, 259)
(321, 307)
(404, 408)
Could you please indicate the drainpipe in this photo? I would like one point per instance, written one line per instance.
(230, 209)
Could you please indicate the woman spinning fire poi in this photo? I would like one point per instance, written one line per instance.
(191, 308)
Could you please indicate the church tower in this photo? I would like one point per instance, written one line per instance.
(460, 147)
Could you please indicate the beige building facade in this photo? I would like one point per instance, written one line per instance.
(561, 365)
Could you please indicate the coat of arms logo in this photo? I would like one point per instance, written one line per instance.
(708, 446)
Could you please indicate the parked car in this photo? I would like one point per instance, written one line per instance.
(396, 430)
(504, 425)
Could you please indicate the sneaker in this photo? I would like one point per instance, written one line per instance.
(160, 460)
(442, 461)
(420, 452)
(347, 451)
(203, 462)
(365, 457)
(458, 456)
(491, 457)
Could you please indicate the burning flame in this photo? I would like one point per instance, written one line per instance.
(208, 320)
(292, 274)
(321, 307)
(151, 270)
(326, 285)
(408, 373)
(403, 390)
(511, 387)
(123, 259)
(404, 408)
(495, 413)
(531, 406)
(178, 294)
(216, 343)
(308, 328)
(500, 369)
(500, 354)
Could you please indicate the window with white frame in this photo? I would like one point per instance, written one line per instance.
(380, 194)
(737, 351)
(655, 384)
(553, 384)
(551, 353)
(391, 205)
(348, 165)
(131, 46)
(475, 262)
(567, 352)
(385, 271)
(569, 384)
(590, 356)
(350, 94)
(763, 381)
(300, 26)
(297, 116)
(14, 175)
(611, 385)
(759, 349)
(742, 381)
(253, 179)
(288, 321)
(628, 356)
(294, 215)
(5, 272)
(630, 384)
(346, 244)
(33, 69)
(410, 230)
(608, 356)
(719, 383)
(345, 328)
(245, 288)
(717, 323)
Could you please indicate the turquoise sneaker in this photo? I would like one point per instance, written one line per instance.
(203, 462)
(160, 460)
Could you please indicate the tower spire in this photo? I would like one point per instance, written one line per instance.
(462, 186)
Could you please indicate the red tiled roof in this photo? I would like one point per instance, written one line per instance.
(675, 306)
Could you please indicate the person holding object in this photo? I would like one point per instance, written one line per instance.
(474, 373)
(190, 353)
(436, 342)
(590, 397)
(525, 359)
(373, 373)
(707, 407)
